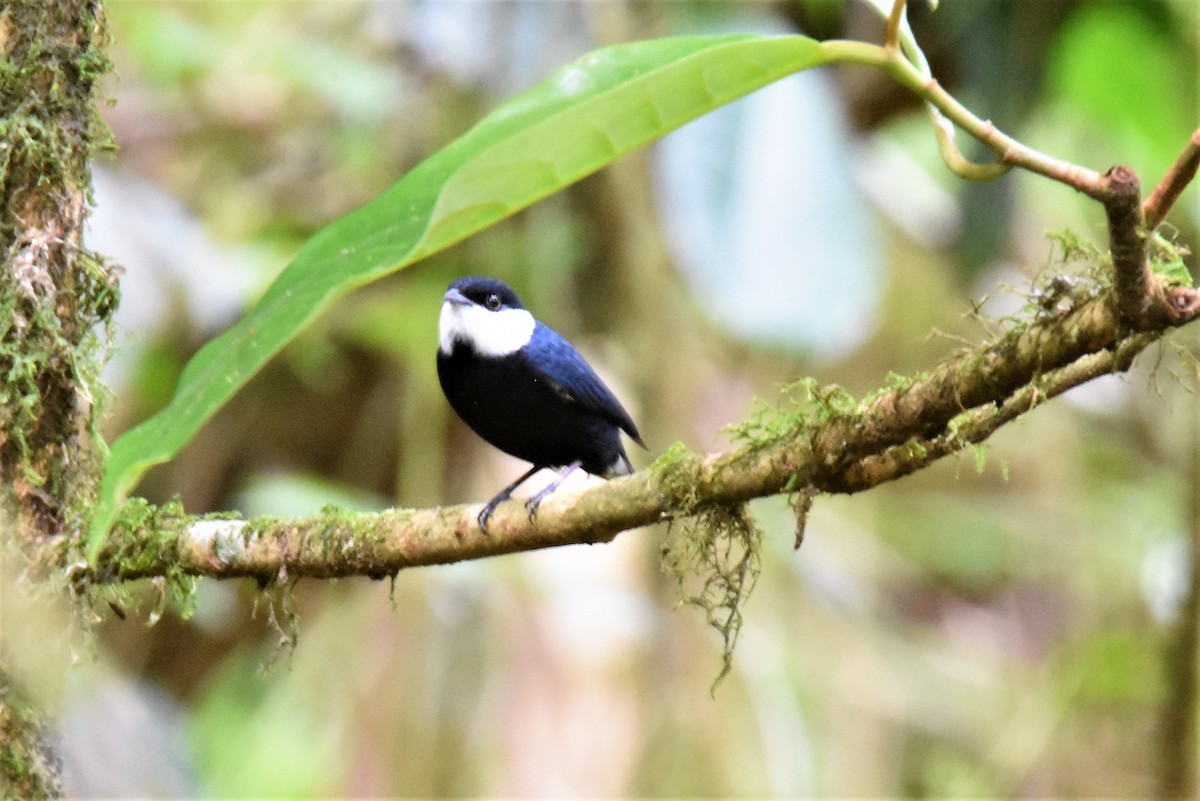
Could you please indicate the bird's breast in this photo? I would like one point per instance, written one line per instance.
(513, 406)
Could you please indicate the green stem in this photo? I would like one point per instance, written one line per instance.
(891, 31)
(946, 112)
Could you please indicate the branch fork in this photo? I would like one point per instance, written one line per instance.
(1142, 302)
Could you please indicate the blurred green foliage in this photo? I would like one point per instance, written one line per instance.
(994, 632)
(1143, 128)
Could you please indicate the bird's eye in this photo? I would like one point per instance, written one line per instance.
(492, 302)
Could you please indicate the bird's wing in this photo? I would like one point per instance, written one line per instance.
(560, 365)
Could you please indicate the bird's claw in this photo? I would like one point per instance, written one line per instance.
(484, 516)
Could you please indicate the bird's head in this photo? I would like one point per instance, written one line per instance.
(485, 315)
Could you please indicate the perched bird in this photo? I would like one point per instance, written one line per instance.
(524, 389)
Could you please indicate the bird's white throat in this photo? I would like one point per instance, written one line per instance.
(490, 333)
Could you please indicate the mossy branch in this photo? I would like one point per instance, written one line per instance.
(847, 448)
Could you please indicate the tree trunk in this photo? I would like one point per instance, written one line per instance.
(55, 299)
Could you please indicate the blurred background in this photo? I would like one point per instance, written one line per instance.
(1015, 625)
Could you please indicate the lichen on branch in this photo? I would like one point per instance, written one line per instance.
(817, 439)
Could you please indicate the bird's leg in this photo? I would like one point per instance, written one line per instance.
(531, 505)
(502, 496)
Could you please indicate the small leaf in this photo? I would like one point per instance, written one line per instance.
(588, 114)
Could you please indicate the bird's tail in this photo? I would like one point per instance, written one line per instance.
(620, 466)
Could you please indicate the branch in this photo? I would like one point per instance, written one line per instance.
(1011, 152)
(1173, 183)
(1143, 303)
(891, 29)
(961, 402)
(977, 425)
(1142, 300)
(1132, 277)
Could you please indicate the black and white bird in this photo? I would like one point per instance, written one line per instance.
(526, 390)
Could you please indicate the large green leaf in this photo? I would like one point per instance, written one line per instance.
(592, 111)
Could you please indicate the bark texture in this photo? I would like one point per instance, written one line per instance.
(54, 297)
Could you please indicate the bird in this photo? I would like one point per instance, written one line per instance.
(524, 389)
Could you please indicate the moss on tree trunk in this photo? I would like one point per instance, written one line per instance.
(55, 301)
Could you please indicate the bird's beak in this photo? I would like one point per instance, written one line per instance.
(457, 298)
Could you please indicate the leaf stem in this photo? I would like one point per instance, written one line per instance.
(947, 112)
(891, 30)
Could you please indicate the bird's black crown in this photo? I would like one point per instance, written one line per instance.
(488, 293)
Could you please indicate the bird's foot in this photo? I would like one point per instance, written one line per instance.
(485, 514)
(531, 506)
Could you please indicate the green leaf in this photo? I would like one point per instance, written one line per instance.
(588, 114)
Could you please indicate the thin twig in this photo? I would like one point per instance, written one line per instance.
(1173, 183)
(952, 157)
(1011, 152)
(1142, 301)
(891, 28)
